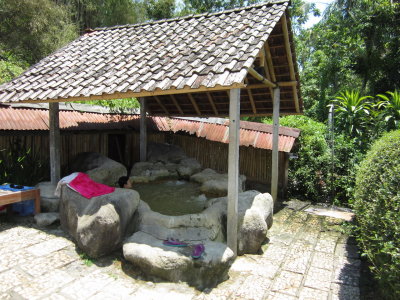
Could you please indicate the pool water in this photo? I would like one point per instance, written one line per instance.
(172, 197)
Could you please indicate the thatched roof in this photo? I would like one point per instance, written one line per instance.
(182, 66)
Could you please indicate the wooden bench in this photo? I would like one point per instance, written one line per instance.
(8, 197)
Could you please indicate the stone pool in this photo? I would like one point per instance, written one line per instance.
(172, 197)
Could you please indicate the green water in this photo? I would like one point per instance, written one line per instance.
(172, 197)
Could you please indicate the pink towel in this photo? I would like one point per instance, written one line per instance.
(89, 188)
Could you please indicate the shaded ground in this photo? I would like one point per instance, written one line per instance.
(307, 257)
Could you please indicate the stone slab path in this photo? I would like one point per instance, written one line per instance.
(307, 257)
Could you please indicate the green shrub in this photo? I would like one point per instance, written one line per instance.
(20, 165)
(377, 207)
(310, 175)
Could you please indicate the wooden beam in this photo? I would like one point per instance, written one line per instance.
(280, 83)
(210, 99)
(233, 169)
(261, 78)
(54, 138)
(290, 60)
(161, 105)
(275, 144)
(196, 107)
(253, 105)
(143, 130)
(269, 62)
(157, 92)
(177, 104)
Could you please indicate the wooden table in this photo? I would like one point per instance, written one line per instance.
(8, 197)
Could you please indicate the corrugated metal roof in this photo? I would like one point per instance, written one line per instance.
(257, 135)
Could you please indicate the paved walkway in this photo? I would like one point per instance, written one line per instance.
(306, 258)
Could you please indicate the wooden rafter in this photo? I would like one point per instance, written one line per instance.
(290, 60)
(253, 105)
(261, 78)
(280, 83)
(196, 107)
(269, 62)
(177, 104)
(161, 105)
(210, 99)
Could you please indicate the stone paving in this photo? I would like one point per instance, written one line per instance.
(306, 257)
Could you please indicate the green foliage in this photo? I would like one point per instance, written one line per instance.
(10, 66)
(353, 114)
(34, 28)
(117, 105)
(377, 207)
(315, 175)
(389, 108)
(160, 9)
(202, 6)
(18, 164)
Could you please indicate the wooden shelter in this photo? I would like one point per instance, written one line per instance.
(232, 63)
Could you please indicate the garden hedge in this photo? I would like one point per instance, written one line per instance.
(377, 207)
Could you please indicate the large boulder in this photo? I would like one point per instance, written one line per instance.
(255, 211)
(100, 168)
(188, 167)
(176, 264)
(149, 171)
(199, 227)
(157, 152)
(100, 224)
(49, 202)
(214, 184)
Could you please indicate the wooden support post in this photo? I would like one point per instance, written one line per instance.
(233, 169)
(143, 130)
(55, 157)
(275, 142)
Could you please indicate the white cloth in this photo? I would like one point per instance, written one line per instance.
(63, 181)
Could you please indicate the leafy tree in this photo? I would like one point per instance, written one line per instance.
(10, 66)
(160, 9)
(34, 28)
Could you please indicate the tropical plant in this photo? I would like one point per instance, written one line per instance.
(353, 114)
(390, 109)
(377, 208)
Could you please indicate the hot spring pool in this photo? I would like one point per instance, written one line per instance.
(172, 197)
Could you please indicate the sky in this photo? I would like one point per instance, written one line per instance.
(321, 5)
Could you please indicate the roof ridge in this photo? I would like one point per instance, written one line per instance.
(192, 16)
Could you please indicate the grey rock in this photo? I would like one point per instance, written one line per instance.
(48, 201)
(188, 167)
(100, 224)
(164, 153)
(255, 212)
(176, 264)
(99, 167)
(46, 219)
(200, 227)
(148, 171)
(215, 184)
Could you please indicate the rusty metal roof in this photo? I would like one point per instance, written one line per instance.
(182, 66)
(257, 135)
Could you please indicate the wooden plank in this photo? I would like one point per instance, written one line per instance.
(161, 105)
(253, 105)
(210, 99)
(54, 136)
(280, 83)
(269, 62)
(275, 141)
(178, 107)
(261, 78)
(172, 91)
(290, 60)
(143, 130)
(233, 169)
(196, 107)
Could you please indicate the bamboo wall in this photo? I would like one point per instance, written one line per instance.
(254, 163)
